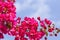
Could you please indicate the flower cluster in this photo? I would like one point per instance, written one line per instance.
(7, 1)
(7, 16)
(13, 26)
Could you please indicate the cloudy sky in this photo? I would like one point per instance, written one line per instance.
(44, 8)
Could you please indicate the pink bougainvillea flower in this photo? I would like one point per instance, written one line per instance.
(11, 1)
(16, 38)
(48, 21)
(2, 0)
(40, 34)
(43, 24)
(51, 29)
(39, 18)
(11, 25)
(30, 24)
(1, 36)
(23, 38)
(18, 20)
(7, 10)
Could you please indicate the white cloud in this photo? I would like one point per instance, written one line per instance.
(43, 9)
(22, 6)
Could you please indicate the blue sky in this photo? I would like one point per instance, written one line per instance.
(44, 8)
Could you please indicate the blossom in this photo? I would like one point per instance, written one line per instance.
(11, 25)
(1, 35)
(48, 21)
(11, 1)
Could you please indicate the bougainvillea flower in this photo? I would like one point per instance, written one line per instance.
(1, 36)
(48, 21)
(11, 1)
(11, 25)
(43, 24)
